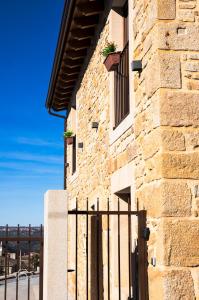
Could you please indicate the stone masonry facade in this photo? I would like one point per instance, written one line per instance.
(162, 143)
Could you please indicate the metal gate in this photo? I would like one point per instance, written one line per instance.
(21, 262)
(103, 236)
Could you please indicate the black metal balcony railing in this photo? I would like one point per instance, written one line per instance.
(21, 262)
(121, 105)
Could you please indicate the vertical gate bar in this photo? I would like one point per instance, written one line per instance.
(142, 258)
(29, 235)
(119, 266)
(5, 281)
(140, 255)
(41, 265)
(18, 265)
(129, 245)
(76, 254)
(108, 233)
(98, 277)
(87, 249)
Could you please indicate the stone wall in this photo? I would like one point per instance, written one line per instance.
(166, 134)
(162, 142)
(91, 179)
(92, 105)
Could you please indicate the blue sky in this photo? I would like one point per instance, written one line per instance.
(31, 141)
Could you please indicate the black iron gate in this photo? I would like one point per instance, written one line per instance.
(100, 227)
(21, 262)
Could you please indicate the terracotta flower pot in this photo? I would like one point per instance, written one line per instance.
(112, 61)
(69, 140)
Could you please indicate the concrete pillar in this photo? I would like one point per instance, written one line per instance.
(55, 245)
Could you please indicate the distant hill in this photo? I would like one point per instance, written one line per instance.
(23, 246)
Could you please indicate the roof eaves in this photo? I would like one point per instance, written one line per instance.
(65, 25)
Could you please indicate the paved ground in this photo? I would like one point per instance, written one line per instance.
(23, 289)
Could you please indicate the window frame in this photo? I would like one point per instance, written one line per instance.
(116, 35)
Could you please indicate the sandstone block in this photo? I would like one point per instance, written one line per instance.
(192, 140)
(178, 285)
(110, 166)
(170, 76)
(139, 123)
(122, 159)
(173, 140)
(165, 198)
(192, 67)
(153, 168)
(176, 198)
(166, 9)
(178, 36)
(163, 71)
(151, 144)
(188, 5)
(193, 56)
(179, 243)
(166, 140)
(170, 285)
(132, 152)
(179, 108)
(155, 278)
(180, 165)
(186, 15)
(193, 85)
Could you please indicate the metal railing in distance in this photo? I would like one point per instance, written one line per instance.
(21, 262)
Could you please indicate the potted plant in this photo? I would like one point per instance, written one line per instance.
(69, 137)
(112, 58)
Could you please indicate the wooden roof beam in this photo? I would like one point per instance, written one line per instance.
(86, 22)
(59, 102)
(78, 45)
(82, 34)
(72, 63)
(62, 85)
(72, 54)
(67, 78)
(64, 88)
(60, 95)
(64, 91)
(69, 71)
(90, 9)
(60, 109)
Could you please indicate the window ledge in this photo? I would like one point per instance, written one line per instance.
(121, 128)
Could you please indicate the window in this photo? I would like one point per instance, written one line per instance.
(121, 76)
(74, 153)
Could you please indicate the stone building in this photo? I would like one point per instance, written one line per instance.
(136, 139)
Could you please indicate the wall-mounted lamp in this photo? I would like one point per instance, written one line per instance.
(95, 125)
(136, 65)
(80, 145)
